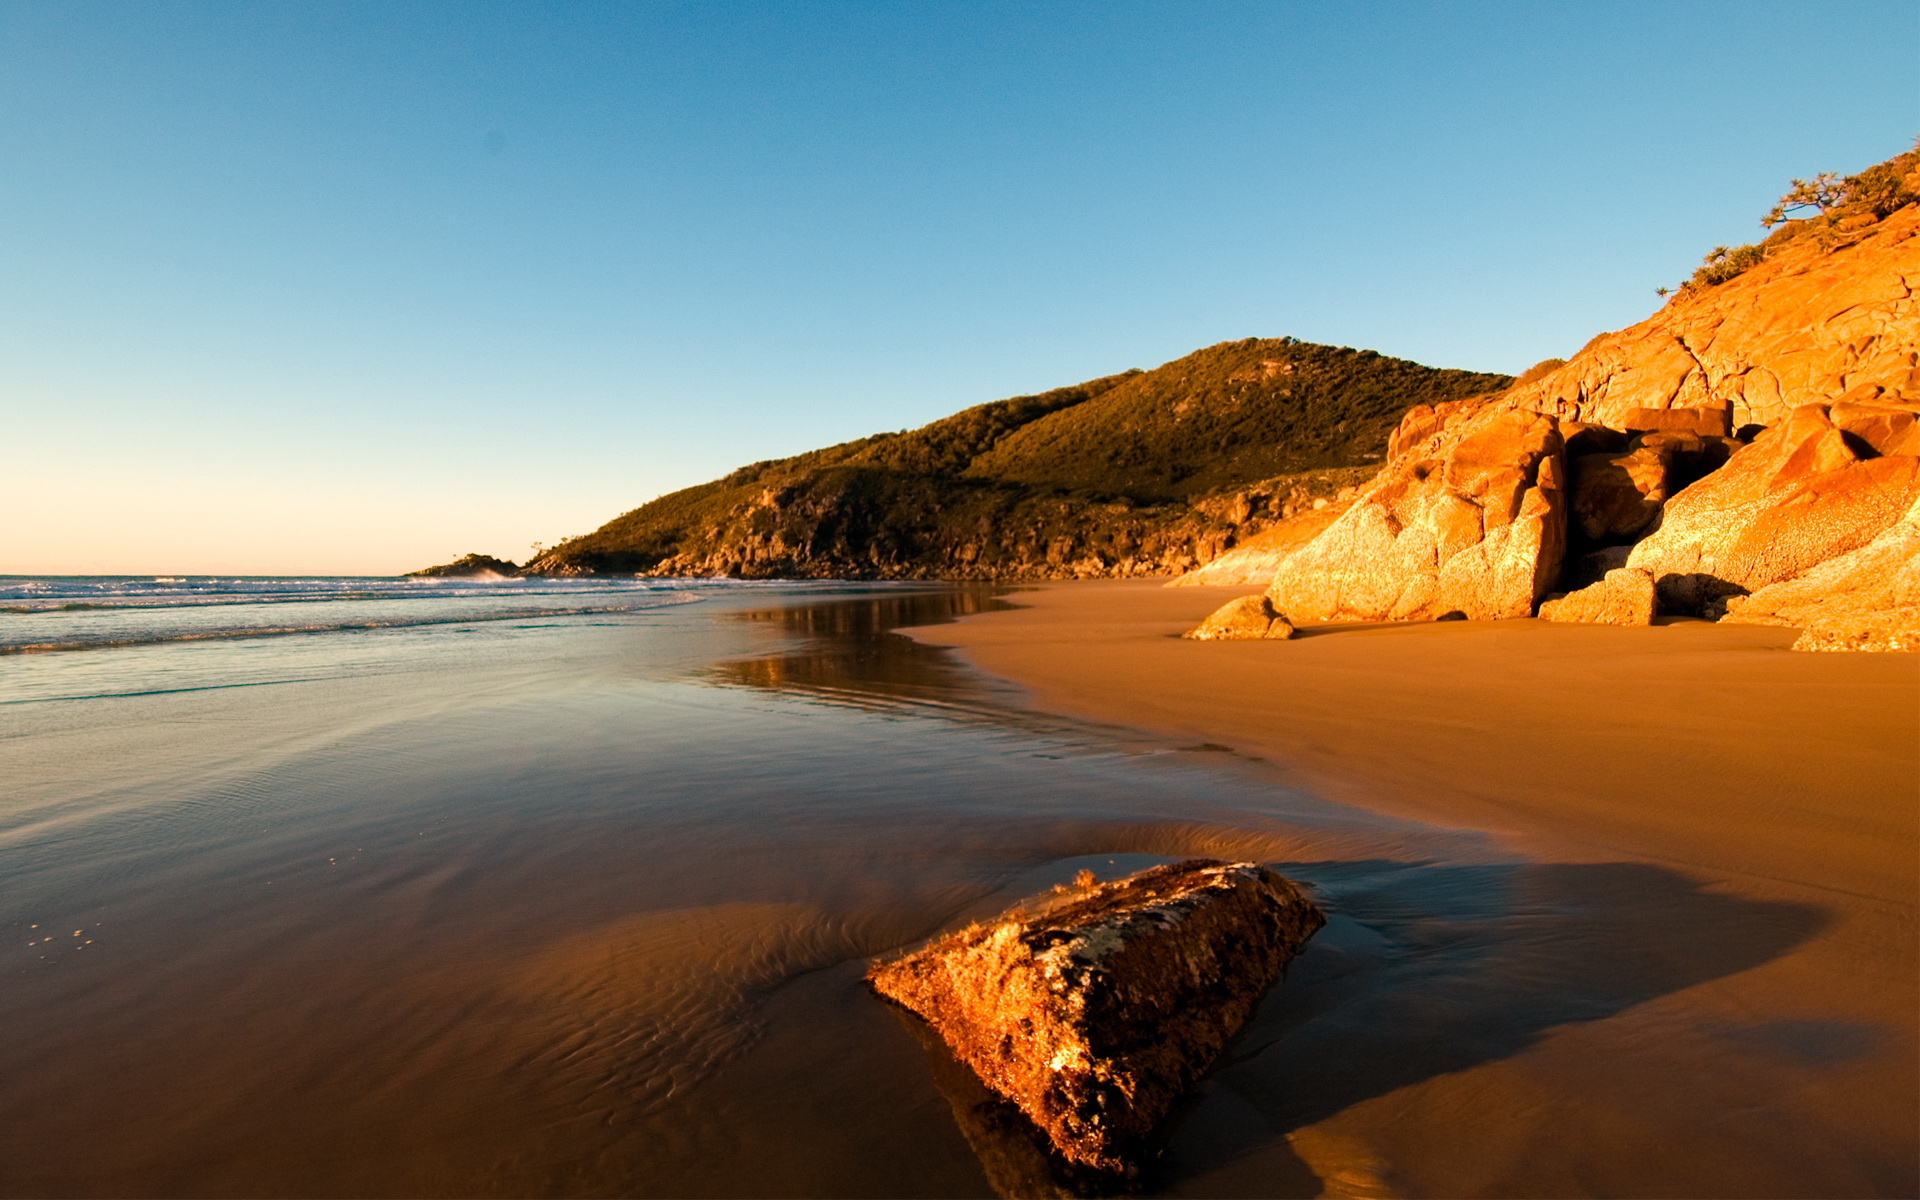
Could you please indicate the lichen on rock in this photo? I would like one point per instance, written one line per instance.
(1096, 1009)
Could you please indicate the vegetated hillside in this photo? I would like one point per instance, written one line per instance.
(1141, 473)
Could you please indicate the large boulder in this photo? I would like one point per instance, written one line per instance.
(1866, 599)
(1624, 597)
(1248, 618)
(1801, 494)
(1468, 521)
(1095, 1009)
(1617, 496)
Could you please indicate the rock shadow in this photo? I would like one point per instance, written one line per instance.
(1422, 970)
(1425, 970)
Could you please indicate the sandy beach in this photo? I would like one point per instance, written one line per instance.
(1767, 1045)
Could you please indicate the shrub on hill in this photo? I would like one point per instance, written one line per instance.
(1825, 209)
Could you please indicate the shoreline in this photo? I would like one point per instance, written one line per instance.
(1782, 779)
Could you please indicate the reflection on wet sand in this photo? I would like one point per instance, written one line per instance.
(846, 651)
(606, 936)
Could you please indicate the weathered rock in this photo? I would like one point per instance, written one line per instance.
(1255, 560)
(1866, 599)
(470, 566)
(1248, 618)
(1094, 1011)
(1624, 597)
(1887, 427)
(1706, 422)
(1471, 521)
(1618, 496)
(1815, 322)
(1798, 496)
(1613, 496)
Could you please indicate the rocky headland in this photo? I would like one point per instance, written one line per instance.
(1138, 474)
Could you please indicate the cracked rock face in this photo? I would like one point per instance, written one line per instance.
(1094, 1010)
(1468, 519)
(1806, 326)
(1866, 599)
(1807, 490)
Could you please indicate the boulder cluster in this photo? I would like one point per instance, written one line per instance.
(1751, 453)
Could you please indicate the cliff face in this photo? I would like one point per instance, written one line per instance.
(1143, 473)
(1810, 324)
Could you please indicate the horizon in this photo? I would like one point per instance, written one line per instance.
(330, 291)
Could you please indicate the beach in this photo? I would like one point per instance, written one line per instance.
(545, 890)
(1736, 822)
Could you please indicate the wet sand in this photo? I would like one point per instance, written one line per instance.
(1764, 1048)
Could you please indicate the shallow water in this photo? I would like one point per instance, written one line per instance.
(578, 903)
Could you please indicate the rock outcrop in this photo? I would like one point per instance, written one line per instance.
(1804, 492)
(1095, 1010)
(1467, 519)
(1819, 321)
(1254, 560)
(1249, 618)
(1624, 597)
(1866, 599)
(470, 566)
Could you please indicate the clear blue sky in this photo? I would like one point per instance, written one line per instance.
(358, 287)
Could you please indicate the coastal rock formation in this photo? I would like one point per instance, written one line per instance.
(1468, 518)
(1804, 492)
(1624, 597)
(474, 566)
(1617, 497)
(1818, 320)
(1866, 599)
(1095, 1010)
(1254, 560)
(1249, 618)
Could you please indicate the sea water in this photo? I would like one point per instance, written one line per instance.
(378, 887)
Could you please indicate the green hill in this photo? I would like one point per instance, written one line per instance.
(1139, 473)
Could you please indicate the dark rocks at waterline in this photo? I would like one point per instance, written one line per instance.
(470, 566)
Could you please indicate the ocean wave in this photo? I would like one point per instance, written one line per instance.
(120, 640)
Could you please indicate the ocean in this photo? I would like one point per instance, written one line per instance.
(355, 887)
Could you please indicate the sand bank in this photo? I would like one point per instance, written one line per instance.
(1788, 782)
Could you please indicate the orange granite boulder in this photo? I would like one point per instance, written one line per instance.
(1624, 597)
(1866, 599)
(1248, 618)
(1468, 522)
(1801, 494)
(1096, 1009)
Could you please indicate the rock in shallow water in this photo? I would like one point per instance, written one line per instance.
(1094, 1010)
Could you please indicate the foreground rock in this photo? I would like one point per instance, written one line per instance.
(1866, 599)
(1249, 618)
(1624, 597)
(1466, 520)
(1097, 1009)
(1806, 491)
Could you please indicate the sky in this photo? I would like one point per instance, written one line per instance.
(354, 288)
